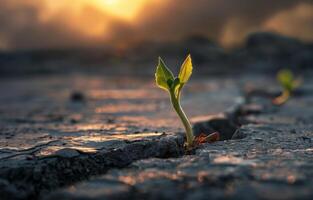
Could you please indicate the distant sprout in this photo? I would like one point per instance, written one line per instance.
(288, 83)
(166, 80)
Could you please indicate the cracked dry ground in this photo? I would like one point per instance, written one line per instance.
(95, 137)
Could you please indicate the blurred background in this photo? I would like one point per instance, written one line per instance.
(64, 36)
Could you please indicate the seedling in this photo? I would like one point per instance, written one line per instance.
(288, 83)
(173, 85)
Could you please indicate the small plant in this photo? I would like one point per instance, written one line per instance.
(288, 83)
(174, 85)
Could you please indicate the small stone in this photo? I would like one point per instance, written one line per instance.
(77, 97)
(110, 121)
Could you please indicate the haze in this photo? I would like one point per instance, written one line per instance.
(46, 24)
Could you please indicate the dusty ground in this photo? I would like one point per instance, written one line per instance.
(71, 128)
(59, 130)
(120, 137)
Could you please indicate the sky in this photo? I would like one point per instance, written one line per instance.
(49, 24)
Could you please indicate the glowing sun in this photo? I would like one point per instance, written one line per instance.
(126, 9)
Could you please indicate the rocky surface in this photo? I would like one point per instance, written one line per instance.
(85, 137)
(270, 157)
(113, 135)
(56, 131)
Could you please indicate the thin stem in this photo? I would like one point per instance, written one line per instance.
(282, 98)
(184, 119)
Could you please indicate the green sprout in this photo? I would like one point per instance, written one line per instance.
(288, 83)
(173, 85)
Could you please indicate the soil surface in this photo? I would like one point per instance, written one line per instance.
(98, 137)
(71, 128)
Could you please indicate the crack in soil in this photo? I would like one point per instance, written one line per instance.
(41, 175)
(70, 166)
(31, 150)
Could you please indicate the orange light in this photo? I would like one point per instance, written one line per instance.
(90, 18)
(120, 8)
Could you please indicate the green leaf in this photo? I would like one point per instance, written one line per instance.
(185, 70)
(286, 79)
(163, 76)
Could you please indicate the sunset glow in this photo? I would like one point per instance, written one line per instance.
(121, 23)
(120, 8)
(90, 19)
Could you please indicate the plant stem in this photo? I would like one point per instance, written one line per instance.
(184, 119)
(282, 98)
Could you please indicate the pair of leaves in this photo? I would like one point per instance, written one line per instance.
(287, 80)
(166, 80)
